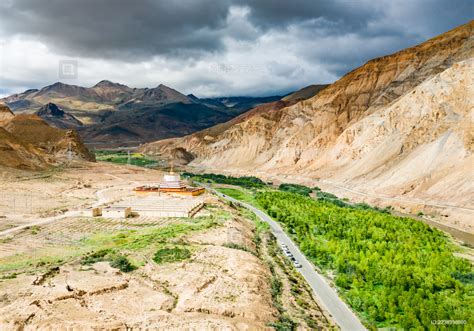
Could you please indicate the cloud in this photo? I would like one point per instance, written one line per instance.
(119, 28)
(209, 48)
(280, 13)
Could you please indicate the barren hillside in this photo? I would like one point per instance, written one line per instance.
(226, 272)
(400, 124)
(5, 113)
(28, 142)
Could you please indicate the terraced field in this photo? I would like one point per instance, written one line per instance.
(63, 239)
(208, 272)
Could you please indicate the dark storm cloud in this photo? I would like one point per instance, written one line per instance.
(279, 13)
(343, 16)
(287, 43)
(131, 29)
(119, 28)
(350, 32)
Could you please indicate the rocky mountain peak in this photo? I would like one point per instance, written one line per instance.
(108, 84)
(50, 109)
(57, 117)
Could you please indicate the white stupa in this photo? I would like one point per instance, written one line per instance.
(172, 181)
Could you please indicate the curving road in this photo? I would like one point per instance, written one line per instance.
(339, 311)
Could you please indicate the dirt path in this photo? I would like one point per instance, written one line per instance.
(102, 198)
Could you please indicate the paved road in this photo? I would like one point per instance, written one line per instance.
(327, 296)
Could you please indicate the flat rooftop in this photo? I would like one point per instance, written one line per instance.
(157, 206)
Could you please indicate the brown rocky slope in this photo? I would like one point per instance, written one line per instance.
(28, 142)
(5, 113)
(399, 125)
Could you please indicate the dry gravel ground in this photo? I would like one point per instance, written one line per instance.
(27, 196)
(51, 192)
(227, 283)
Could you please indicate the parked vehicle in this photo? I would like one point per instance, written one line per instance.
(297, 264)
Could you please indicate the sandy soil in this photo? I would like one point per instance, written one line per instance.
(224, 285)
(26, 196)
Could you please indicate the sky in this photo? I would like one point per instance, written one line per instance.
(209, 48)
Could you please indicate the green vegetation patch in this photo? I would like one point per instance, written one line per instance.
(173, 254)
(121, 157)
(284, 323)
(116, 260)
(40, 259)
(122, 263)
(139, 239)
(396, 272)
(246, 181)
(295, 188)
(109, 246)
(238, 194)
(97, 256)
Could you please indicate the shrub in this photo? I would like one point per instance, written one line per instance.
(116, 261)
(284, 323)
(246, 181)
(295, 188)
(122, 263)
(276, 286)
(239, 247)
(97, 256)
(168, 255)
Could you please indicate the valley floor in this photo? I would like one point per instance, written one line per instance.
(457, 220)
(218, 270)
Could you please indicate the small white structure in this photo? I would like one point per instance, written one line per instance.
(172, 181)
(117, 212)
(153, 206)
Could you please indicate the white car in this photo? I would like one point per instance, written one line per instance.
(297, 264)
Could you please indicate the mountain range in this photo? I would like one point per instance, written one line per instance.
(111, 114)
(400, 125)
